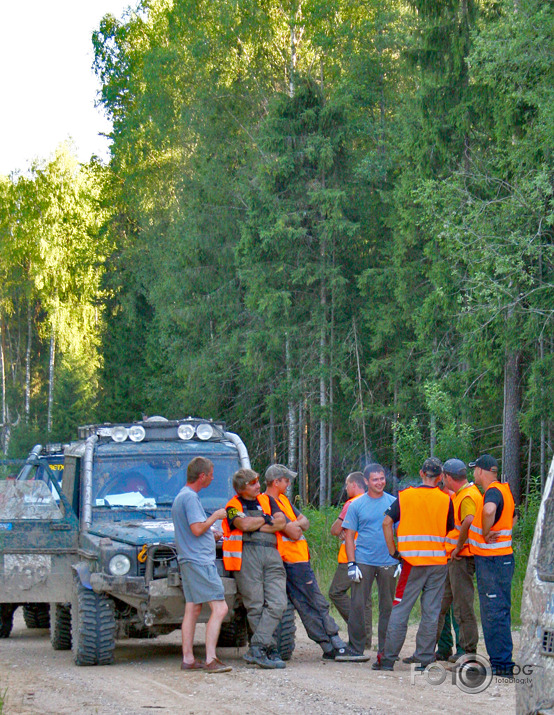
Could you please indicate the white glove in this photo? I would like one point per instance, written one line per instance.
(354, 573)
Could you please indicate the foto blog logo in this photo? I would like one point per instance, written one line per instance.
(472, 673)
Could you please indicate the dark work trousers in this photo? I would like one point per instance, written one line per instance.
(494, 584)
(361, 596)
(429, 582)
(339, 593)
(261, 583)
(312, 607)
(459, 593)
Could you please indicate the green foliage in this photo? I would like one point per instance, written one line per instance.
(524, 531)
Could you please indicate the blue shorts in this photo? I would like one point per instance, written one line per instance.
(201, 582)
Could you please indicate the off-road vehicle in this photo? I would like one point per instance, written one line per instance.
(109, 568)
(534, 672)
(40, 460)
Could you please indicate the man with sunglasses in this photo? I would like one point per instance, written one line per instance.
(302, 587)
(250, 552)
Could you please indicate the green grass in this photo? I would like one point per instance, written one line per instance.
(3, 694)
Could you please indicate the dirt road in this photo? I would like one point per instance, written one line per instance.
(145, 678)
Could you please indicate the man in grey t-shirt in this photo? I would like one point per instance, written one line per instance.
(195, 544)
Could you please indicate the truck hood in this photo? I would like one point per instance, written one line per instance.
(137, 533)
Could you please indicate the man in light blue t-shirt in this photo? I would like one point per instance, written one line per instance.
(368, 560)
(201, 582)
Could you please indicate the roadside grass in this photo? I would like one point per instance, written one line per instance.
(324, 549)
(3, 694)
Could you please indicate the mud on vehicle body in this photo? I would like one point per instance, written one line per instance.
(29, 513)
(535, 661)
(107, 561)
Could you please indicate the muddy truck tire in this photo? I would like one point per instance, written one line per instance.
(36, 615)
(235, 633)
(92, 627)
(60, 626)
(285, 634)
(6, 619)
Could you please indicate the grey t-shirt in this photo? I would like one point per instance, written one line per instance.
(186, 510)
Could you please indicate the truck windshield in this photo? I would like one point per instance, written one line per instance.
(154, 481)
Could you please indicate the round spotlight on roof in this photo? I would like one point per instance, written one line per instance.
(185, 431)
(119, 433)
(137, 433)
(204, 431)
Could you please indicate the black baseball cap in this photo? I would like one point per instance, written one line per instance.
(486, 462)
(432, 467)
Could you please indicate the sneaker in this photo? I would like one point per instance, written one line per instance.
(383, 665)
(216, 666)
(195, 665)
(256, 655)
(275, 657)
(442, 656)
(411, 659)
(348, 654)
(423, 666)
(454, 658)
(329, 655)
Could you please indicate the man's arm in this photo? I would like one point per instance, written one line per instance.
(388, 532)
(200, 527)
(462, 538)
(292, 530)
(350, 544)
(489, 514)
(336, 527)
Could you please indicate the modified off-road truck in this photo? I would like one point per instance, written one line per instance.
(42, 463)
(534, 671)
(103, 553)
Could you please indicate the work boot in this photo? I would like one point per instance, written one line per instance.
(258, 656)
(384, 664)
(275, 657)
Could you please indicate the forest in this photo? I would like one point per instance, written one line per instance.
(327, 223)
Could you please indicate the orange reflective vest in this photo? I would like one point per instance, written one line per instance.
(468, 490)
(232, 538)
(503, 527)
(421, 530)
(342, 558)
(292, 552)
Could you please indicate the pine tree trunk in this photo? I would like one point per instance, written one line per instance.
(511, 432)
(51, 381)
(272, 451)
(28, 364)
(293, 434)
(3, 376)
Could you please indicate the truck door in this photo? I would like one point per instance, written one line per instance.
(38, 539)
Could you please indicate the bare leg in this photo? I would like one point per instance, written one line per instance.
(192, 611)
(219, 611)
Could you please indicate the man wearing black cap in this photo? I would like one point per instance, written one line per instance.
(302, 587)
(424, 516)
(458, 591)
(490, 540)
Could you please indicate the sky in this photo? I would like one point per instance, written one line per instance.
(47, 86)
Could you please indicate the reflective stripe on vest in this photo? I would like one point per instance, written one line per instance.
(342, 558)
(232, 538)
(422, 527)
(503, 526)
(471, 491)
(292, 552)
